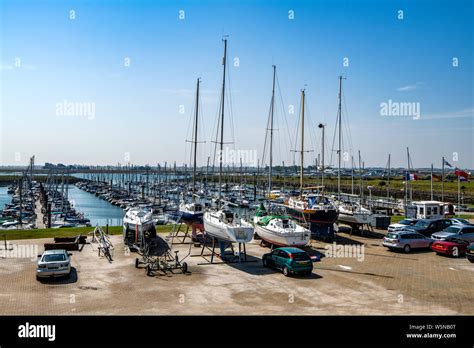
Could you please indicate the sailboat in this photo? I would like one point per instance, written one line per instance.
(313, 208)
(192, 213)
(278, 230)
(351, 213)
(223, 224)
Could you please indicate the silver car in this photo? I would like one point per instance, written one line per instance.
(465, 232)
(406, 240)
(54, 263)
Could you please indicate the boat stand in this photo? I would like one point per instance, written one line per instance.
(176, 238)
(7, 247)
(223, 245)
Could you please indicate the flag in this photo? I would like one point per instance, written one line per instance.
(410, 176)
(461, 173)
(436, 177)
(446, 163)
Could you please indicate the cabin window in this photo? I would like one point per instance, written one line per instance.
(435, 210)
(422, 210)
(428, 210)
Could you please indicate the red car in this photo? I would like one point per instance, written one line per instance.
(450, 246)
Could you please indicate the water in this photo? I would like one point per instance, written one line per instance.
(4, 197)
(97, 210)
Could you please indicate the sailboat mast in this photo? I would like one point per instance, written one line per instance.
(195, 138)
(340, 140)
(388, 181)
(407, 177)
(302, 143)
(224, 60)
(360, 177)
(271, 131)
(322, 153)
(352, 174)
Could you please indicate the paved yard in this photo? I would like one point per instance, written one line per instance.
(383, 282)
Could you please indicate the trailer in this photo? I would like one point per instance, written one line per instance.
(157, 256)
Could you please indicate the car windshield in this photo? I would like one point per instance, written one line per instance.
(300, 256)
(54, 257)
(392, 236)
(464, 221)
(452, 229)
(405, 222)
(422, 223)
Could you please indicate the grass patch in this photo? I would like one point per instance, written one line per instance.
(66, 232)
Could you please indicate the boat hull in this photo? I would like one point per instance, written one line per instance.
(296, 239)
(354, 219)
(190, 218)
(313, 216)
(228, 233)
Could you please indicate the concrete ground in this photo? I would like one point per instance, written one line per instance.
(383, 283)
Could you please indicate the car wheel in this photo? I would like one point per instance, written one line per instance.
(471, 259)
(137, 262)
(265, 262)
(148, 270)
(286, 271)
(38, 278)
(184, 268)
(407, 248)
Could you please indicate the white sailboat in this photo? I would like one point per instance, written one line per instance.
(223, 224)
(354, 214)
(351, 213)
(276, 229)
(282, 231)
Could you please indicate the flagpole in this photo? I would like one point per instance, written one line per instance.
(431, 181)
(459, 193)
(442, 180)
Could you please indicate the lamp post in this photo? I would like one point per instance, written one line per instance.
(370, 196)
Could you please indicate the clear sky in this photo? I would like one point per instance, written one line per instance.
(48, 58)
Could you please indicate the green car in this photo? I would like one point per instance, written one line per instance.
(289, 260)
(470, 253)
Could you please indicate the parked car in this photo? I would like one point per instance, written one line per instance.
(406, 240)
(450, 246)
(401, 225)
(429, 226)
(54, 263)
(470, 253)
(289, 260)
(459, 221)
(465, 232)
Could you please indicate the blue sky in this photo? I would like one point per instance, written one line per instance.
(137, 108)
